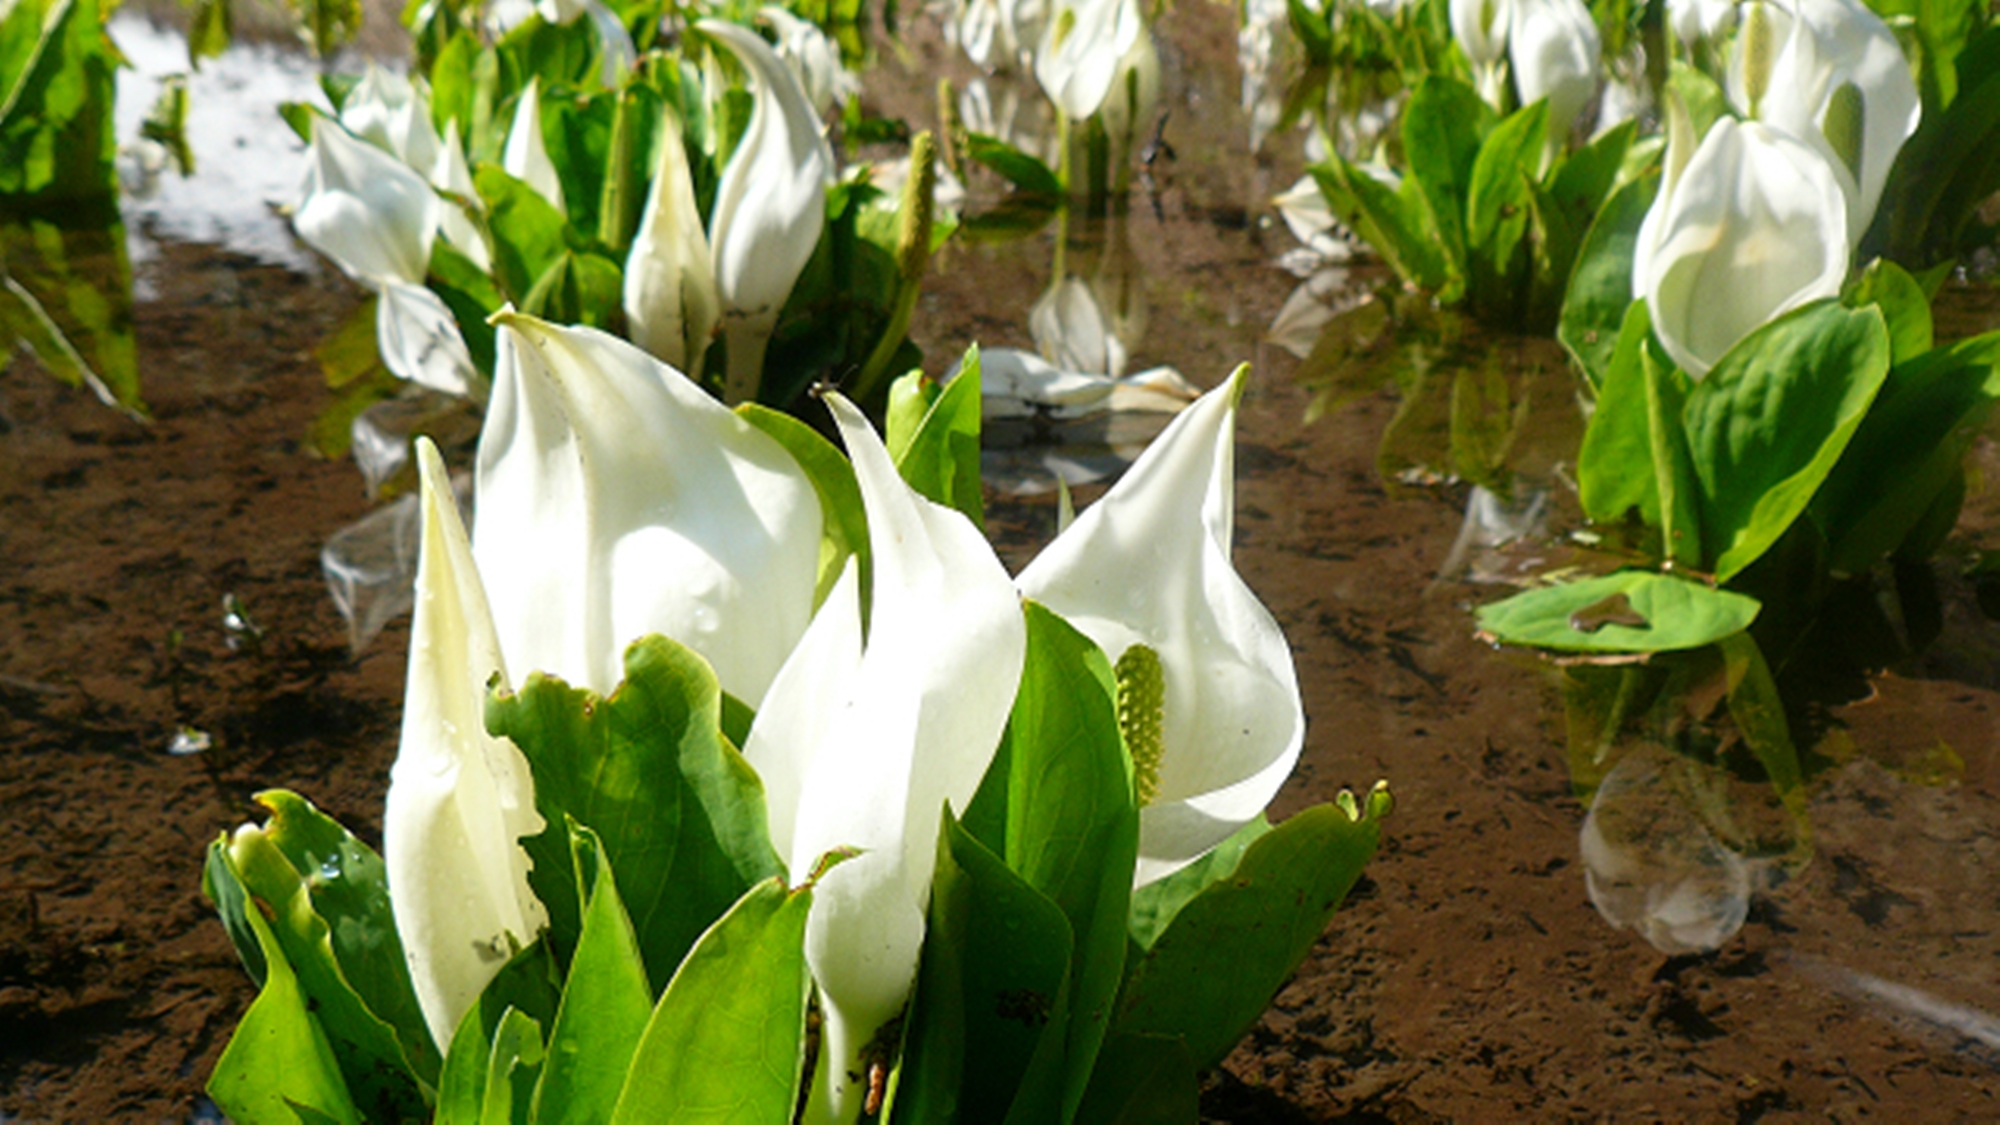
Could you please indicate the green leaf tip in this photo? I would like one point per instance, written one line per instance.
(1142, 696)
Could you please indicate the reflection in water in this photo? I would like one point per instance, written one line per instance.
(1656, 856)
(245, 159)
(1493, 521)
(66, 296)
(1971, 1024)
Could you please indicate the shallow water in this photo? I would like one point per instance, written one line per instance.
(1469, 978)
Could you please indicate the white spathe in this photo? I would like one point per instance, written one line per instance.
(376, 218)
(1554, 47)
(862, 742)
(1823, 46)
(617, 499)
(526, 157)
(1750, 226)
(450, 173)
(814, 58)
(770, 205)
(671, 304)
(1233, 724)
(460, 800)
(394, 112)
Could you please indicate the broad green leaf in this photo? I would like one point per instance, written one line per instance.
(367, 1049)
(1767, 424)
(528, 233)
(1071, 826)
(1155, 905)
(469, 293)
(987, 1024)
(1700, 94)
(1565, 211)
(1946, 167)
(1142, 1080)
(526, 986)
(844, 529)
(1214, 970)
(940, 457)
(278, 1066)
(578, 132)
(512, 1070)
(1684, 534)
(605, 1002)
(1314, 31)
(1630, 611)
(211, 26)
(1444, 125)
(1908, 449)
(56, 89)
(1600, 284)
(1497, 208)
(1395, 221)
(680, 813)
(1028, 175)
(232, 905)
(350, 890)
(1906, 307)
(1614, 469)
(577, 289)
(726, 1043)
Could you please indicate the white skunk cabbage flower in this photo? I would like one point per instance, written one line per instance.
(617, 499)
(813, 57)
(1749, 226)
(526, 157)
(459, 799)
(1018, 384)
(1832, 74)
(1554, 48)
(1700, 21)
(451, 173)
(862, 742)
(376, 218)
(394, 112)
(770, 206)
(1480, 27)
(1232, 724)
(1135, 95)
(1083, 46)
(670, 299)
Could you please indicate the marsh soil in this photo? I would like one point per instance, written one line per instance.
(1467, 979)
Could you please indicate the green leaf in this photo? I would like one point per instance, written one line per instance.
(1443, 127)
(1767, 424)
(525, 986)
(57, 83)
(727, 1041)
(992, 999)
(1212, 973)
(1497, 209)
(350, 890)
(680, 813)
(1028, 175)
(1906, 307)
(528, 233)
(844, 530)
(1908, 449)
(940, 458)
(1630, 611)
(512, 1070)
(278, 1065)
(211, 25)
(1395, 221)
(1155, 905)
(577, 289)
(1600, 285)
(1614, 469)
(606, 1001)
(1142, 1080)
(1683, 532)
(1071, 827)
(367, 1049)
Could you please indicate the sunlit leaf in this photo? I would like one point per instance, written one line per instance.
(844, 530)
(1630, 611)
(525, 987)
(939, 455)
(278, 1066)
(680, 814)
(726, 1042)
(1028, 175)
(605, 1002)
(1600, 284)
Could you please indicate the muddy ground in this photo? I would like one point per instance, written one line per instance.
(1468, 978)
